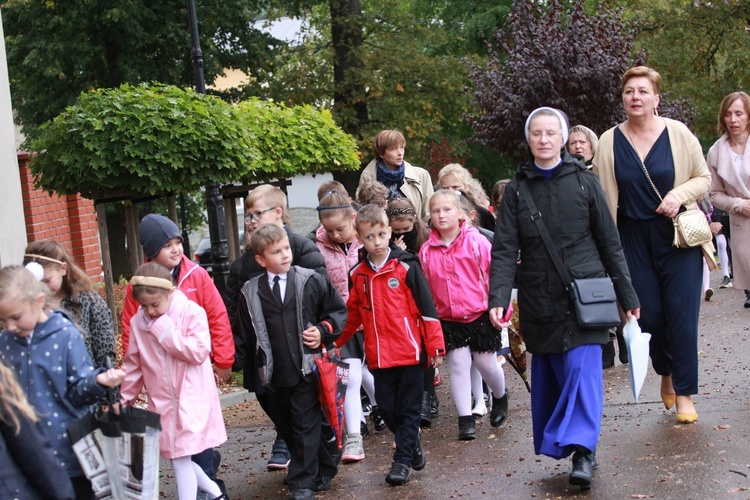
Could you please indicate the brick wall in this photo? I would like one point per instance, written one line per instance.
(68, 219)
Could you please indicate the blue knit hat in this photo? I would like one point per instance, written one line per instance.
(154, 232)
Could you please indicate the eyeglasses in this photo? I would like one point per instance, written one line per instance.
(537, 135)
(255, 216)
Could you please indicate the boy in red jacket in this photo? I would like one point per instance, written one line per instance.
(391, 298)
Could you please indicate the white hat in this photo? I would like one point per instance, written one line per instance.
(563, 122)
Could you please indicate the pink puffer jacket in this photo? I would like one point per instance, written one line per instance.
(338, 263)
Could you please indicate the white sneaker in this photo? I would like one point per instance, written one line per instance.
(480, 409)
(354, 451)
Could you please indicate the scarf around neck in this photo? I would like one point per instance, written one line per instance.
(392, 179)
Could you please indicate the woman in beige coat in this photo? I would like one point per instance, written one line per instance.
(649, 168)
(729, 162)
(402, 179)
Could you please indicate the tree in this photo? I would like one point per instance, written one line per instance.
(701, 49)
(552, 55)
(155, 139)
(58, 49)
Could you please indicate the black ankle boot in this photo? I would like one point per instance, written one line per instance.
(434, 406)
(499, 412)
(425, 414)
(584, 463)
(466, 428)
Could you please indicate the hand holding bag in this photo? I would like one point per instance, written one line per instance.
(691, 227)
(594, 298)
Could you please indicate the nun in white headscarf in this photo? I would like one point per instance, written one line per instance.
(566, 366)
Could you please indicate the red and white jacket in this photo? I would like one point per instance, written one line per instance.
(395, 306)
(197, 286)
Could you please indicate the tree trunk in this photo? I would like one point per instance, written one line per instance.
(349, 95)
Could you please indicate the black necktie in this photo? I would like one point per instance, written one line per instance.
(277, 289)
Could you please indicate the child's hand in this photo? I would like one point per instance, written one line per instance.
(311, 337)
(496, 317)
(436, 361)
(399, 242)
(222, 374)
(111, 378)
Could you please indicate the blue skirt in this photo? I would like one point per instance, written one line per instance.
(567, 400)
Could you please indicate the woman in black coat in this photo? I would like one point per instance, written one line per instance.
(566, 368)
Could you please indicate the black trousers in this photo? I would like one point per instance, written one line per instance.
(399, 394)
(297, 414)
(668, 282)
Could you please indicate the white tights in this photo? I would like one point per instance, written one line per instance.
(368, 383)
(460, 361)
(476, 384)
(706, 276)
(721, 247)
(353, 404)
(190, 477)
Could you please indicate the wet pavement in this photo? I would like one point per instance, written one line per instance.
(643, 452)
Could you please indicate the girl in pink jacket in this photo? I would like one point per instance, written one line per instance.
(338, 243)
(456, 261)
(169, 354)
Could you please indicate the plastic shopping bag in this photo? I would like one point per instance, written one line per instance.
(637, 342)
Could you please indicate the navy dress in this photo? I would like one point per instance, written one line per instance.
(667, 279)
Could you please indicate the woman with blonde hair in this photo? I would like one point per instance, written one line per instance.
(454, 176)
(582, 141)
(650, 168)
(28, 467)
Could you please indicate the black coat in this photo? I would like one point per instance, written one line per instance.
(574, 210)
(28, 466)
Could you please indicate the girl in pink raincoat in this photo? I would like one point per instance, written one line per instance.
(169, 354)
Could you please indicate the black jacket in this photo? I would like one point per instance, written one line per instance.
(304, 254)
(574, 210)
(28, 467)
(316, 300)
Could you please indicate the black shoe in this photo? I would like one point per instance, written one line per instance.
(398, 475)
(280, 455)
(466, 428)
(377, 419)
(366, 406)
(217, 461)
(302, 493)
(584, 463)
(608, 355)
(418, 460)
(222, 488)
(434, 406)
(425, 414)
(499, 412)
(364, 431)
(323, 483)
(747, 302)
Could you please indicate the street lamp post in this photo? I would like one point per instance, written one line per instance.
(214, 204)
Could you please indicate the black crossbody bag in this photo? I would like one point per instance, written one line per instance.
(594, 298)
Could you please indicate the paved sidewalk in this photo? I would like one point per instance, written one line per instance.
(643, 452)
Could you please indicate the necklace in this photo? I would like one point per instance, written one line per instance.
(632, 142)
